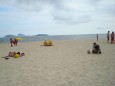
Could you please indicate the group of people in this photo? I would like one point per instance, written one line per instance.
(96, 48)
(14, 54)
(110, 36)
(13, 42)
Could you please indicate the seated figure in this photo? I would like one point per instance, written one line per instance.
(96, 49)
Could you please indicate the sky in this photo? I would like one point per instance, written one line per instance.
(56, 17)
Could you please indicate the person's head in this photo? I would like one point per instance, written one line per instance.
(10, 38)
(94, 43)
(18, 53)
(22, 54)
(108, 31)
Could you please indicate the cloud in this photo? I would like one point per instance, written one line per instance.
(99, 28)
(94, 2)
(35, 1)
(37, 5)
(61, 10)
(71, 18)
(65, 11)
(108, 9)
(103, 7)
(72, 12)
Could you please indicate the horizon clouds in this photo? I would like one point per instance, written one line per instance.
(55, 16)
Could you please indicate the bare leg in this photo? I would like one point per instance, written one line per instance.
(10, 54)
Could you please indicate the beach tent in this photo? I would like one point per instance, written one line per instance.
(48, 43)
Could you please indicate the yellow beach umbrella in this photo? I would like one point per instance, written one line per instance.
(18, 38)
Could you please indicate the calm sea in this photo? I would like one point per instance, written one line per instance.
(57, 37)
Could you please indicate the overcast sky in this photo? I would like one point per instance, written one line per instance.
(56, 17)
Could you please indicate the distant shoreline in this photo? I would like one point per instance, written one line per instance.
(57, 37)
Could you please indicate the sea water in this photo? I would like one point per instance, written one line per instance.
(56, 37)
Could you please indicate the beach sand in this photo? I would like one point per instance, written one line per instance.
(66, 63)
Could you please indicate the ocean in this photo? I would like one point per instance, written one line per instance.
(56, 37)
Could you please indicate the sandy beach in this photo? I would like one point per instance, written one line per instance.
(66, 63)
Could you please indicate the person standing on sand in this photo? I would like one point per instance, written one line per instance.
(16, 41)
(108, 36)
(112, 37)
(11, 42)
(97, 37)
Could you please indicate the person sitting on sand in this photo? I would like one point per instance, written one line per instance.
(14, 54)
(96, 49)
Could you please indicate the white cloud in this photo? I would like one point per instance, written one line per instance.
(71, 17)
(59, 14)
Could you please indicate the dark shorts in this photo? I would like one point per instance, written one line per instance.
(107, 38)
